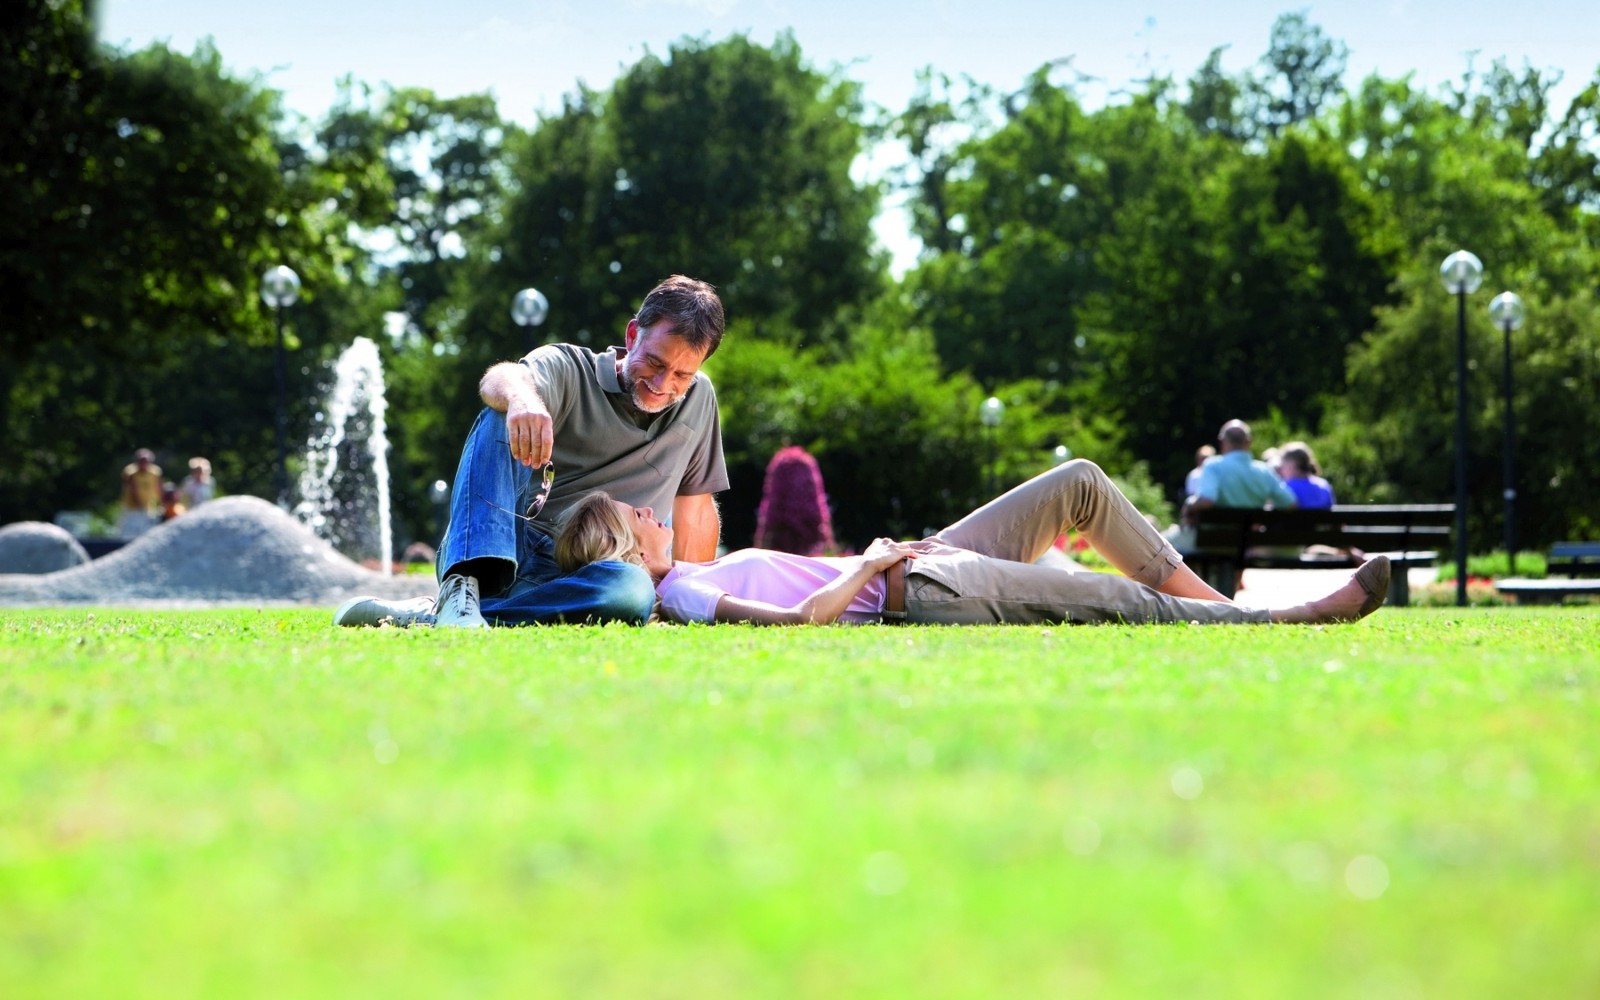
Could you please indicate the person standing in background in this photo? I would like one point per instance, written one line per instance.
(199, 487)
(171, 502)
(141, 495)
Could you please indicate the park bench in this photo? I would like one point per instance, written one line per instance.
(1228, 539)
(1565, 564)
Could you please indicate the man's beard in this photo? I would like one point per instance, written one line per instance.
(630, 385)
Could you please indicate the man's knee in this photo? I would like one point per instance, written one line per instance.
(622, 592)
(485, 437)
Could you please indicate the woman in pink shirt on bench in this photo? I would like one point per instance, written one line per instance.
(980, 570)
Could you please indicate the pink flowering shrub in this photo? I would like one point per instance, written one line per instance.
(1480, 594)
(793, 516)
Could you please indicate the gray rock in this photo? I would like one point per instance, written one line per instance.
(37, 547)
(236, 550)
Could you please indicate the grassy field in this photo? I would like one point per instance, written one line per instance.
(256, 804)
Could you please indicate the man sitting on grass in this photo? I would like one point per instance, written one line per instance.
(979, 570)
(639, 419)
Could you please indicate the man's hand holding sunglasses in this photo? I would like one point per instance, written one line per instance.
(530, 431)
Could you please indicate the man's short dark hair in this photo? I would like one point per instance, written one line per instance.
(1235, 434)
(691, 306)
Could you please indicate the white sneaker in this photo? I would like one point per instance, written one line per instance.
(458, 603)
(377, 611)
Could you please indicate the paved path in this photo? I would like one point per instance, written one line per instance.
(1284, 588)
(1276, 588)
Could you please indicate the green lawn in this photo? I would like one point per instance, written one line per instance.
(257, 804)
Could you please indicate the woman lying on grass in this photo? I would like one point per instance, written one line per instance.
(979, 570)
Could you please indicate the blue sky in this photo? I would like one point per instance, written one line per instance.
(528, 54)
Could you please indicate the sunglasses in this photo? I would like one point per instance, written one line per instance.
(547, 479)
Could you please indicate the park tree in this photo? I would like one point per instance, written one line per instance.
(1566, 167)
(1438, 174)
(147, 194)
(1510, 105)
(1393, 437)
(1159, 361)
(1308, 258)
(1456, 170)
(1163, 274)
(928, 128)
(1215, 102)
(1009, 216)
(1299, 77)
(1302, 72)
(423, 175)
(1150, 257)
(52, 78)
(898, 440)
(727, 161)
(735, 160)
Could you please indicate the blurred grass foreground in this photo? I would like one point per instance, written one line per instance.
(256, 804)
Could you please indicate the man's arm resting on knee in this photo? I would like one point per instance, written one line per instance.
(696, 528)
(509, 384)
(508, 387)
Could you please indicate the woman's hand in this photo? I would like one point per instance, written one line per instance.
(829, 601)
(885, 552)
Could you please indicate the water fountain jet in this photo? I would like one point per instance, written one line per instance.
(344, 487)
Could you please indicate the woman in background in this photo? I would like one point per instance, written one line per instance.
(1300, 472)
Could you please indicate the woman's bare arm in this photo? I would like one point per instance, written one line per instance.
(827, 603)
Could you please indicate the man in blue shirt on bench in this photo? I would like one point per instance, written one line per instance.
(1236, 478)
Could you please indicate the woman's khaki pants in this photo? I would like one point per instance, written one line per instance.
(981, 569)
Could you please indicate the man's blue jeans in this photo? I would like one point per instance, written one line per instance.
(491, 491)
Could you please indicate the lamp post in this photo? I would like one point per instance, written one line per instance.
(439, 493)
(1506, 311)
(280, 288)
(990, 412)
(529, 307)
(1462, 273)
(1061, 453)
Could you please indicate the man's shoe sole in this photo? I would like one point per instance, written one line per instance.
(460, 623)
(382, 613)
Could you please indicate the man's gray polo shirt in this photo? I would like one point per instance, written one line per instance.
(603, 443)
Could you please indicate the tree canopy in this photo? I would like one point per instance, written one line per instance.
(1126, 276)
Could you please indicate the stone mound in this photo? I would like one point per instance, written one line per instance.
(38, 547)
(236, 550)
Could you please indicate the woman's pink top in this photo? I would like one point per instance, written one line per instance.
(689, 593)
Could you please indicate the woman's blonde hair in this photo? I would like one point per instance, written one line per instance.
(594, 530)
